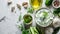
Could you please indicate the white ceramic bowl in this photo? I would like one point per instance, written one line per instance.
(47, 21)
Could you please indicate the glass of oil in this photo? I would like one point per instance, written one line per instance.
(36, 4)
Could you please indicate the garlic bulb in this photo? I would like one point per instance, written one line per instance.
(49, 30)
(56, 22)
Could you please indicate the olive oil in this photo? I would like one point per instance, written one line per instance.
(36, 4)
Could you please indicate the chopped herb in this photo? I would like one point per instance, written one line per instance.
(45, 14)
(30, 10)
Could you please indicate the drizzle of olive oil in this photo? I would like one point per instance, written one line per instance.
(36, 4)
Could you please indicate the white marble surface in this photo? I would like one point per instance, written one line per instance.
(8, 26)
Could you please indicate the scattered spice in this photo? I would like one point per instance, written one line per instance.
(9, 3)
(12, 9)
(18, 6)
(25, 4)
(3, 18)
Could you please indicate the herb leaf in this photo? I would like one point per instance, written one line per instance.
(30, 10)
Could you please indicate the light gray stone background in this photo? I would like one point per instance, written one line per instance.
(8, 26)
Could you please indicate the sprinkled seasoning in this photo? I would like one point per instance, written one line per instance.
(18, 6)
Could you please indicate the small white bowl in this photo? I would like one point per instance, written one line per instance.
(53, 4)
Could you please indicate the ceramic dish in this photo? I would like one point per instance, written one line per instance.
(56, 3)
(27, 21)
(44, 17)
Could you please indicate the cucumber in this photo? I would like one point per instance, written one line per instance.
(48, 2)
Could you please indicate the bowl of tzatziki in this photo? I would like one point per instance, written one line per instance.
(44, 17)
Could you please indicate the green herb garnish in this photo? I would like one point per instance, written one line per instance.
(45, 14)
(30, 10)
